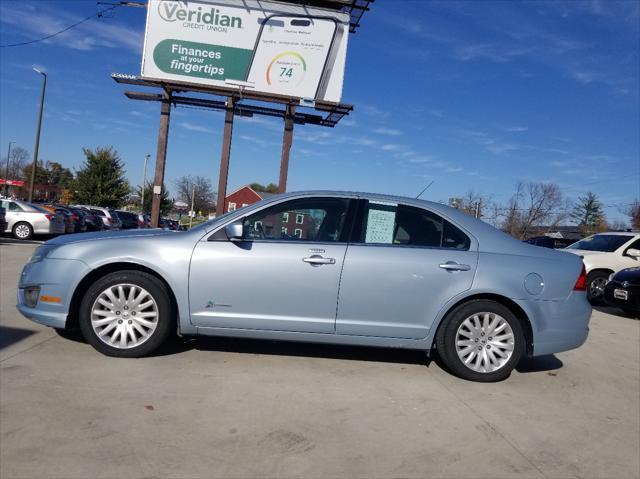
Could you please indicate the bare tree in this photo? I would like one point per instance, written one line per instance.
(18, 161)
(534, 204)
(205, 197)
(474, 204)
(633, 212)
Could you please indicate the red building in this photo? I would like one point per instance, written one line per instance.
(243, 197)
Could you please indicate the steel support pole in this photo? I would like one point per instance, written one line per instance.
(287, 139)
(161, 156)
(37, 146)
(6, 175)
(144, 182)
(226, 154)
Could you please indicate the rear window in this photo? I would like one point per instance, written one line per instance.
(113, 213)
(98, 212)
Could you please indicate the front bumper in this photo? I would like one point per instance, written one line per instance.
(632, 303)
(57, 278)
(559, 325)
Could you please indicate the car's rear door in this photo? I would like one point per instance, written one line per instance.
(283, 276)
(405, 264)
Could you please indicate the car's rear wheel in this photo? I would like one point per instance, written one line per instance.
(481, 341)
(596, 281)
(22, 231)
(126, 314)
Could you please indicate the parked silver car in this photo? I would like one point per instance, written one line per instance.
(25, 220)
(325, 267)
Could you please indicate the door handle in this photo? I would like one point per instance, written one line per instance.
(453, 266)
(317, 260)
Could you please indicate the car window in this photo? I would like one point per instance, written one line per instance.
(98, 212)
(634, 245)
(402, 225)
(602, 242)
(308, 219)
(11, 206)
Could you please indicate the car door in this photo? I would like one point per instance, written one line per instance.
(282, 276)
(405, 264)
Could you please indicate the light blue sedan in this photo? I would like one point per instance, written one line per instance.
(328, 267)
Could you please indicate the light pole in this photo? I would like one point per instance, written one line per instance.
(6, 175)
(37, 147)
(144, 182)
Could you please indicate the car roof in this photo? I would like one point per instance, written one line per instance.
(618, 233)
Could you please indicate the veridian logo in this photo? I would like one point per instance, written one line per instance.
(170, 11)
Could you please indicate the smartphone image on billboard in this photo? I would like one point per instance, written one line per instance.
(293, 55)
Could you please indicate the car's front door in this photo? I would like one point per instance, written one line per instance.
(406, 263)
(283, 275)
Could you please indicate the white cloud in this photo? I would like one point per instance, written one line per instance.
(199, 128)
(387, 131)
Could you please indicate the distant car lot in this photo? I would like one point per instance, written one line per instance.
(202, 408)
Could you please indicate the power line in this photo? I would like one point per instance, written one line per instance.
(98, 14)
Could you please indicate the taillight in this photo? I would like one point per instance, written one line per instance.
(74, 217)
(111, 220)
(50, 217)
(581, 283)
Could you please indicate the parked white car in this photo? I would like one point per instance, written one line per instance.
(26, 219)
(606, 253)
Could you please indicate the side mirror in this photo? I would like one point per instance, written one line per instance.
(634, 253)
(235, 231)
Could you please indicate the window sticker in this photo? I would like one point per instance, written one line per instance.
(380, 222)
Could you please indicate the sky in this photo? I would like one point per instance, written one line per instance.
(469, 95)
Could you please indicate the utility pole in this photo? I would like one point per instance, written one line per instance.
(144, 182)
(193, 199)
(37, 147)
(6, 175)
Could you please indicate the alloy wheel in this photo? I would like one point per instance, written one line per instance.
(485, 342)
(124, 316)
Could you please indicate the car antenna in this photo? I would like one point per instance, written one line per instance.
(425, 189)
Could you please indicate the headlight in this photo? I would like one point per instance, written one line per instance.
(31, 296)
(41, 252)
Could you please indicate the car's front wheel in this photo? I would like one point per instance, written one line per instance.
(481, 341)
(126, 314)
(596, 281)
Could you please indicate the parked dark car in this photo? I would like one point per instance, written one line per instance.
(3, 219)
(623, 291)
(79, 224)
(549, 242)
(129, 220)
(92, 222)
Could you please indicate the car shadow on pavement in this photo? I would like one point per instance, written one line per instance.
(285, 348)
(9, 336)
(538, 364)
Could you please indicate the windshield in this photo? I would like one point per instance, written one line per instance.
(604, 243)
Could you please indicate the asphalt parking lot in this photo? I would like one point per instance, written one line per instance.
(242, 409)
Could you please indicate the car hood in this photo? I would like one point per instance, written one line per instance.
(108, 235)
(631, 275)
(584, 252)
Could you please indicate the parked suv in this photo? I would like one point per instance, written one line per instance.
(25, 219)
(606, 253)
(108, 216)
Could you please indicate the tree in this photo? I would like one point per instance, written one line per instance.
(205, 198)
(166, 204)
(58, 175)
(18, 160)
(473, 204)
(101, 179)
(534, 204)
(633, 212)
(42, 175)
(270, 188)
(588, 214)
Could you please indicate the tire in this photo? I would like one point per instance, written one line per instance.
(490, 360)
(22, 231)
(129, 330)
(595, 286)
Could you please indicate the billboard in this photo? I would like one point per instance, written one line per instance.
(274, 47)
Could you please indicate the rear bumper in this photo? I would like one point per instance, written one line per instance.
(559, 325)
